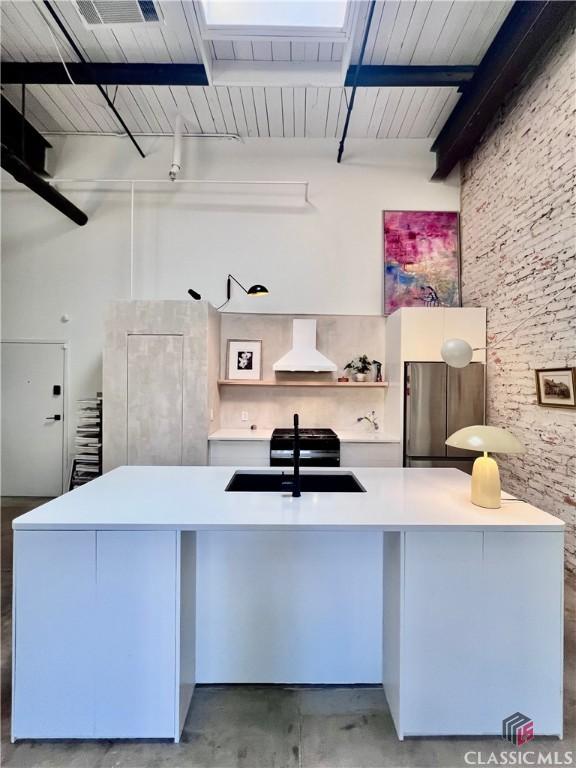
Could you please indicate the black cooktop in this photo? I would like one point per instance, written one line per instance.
(307, 433)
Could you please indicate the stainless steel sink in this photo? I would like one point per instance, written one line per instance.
(281, 482)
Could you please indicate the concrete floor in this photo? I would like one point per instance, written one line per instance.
(269, 727)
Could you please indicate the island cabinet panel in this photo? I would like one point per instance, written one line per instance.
(523, 628)
(480, 632)
(96, 634)
(137, 639)
(54, 630)
(441, 633)
(186, 607)
(155, 399)
(393, 597)
(292, 607)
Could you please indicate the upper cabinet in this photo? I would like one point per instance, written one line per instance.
(417, 333)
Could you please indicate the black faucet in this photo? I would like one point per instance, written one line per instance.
(296, 452)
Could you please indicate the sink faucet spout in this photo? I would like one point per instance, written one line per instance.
(296, 482)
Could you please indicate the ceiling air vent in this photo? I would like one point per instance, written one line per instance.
(109, 13)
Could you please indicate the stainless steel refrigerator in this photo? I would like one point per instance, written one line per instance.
(438, 400)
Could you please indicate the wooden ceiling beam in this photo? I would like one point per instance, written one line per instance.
(53, 73)
(527, 28)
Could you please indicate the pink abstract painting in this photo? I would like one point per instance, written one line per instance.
(421, 259)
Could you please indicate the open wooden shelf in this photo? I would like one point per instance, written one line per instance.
(263, 383)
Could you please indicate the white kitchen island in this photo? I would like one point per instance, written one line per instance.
(108, 594)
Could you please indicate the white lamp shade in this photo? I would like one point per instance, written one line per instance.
(456, 353)
(481, 438)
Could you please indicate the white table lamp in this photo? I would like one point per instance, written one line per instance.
(485, 475)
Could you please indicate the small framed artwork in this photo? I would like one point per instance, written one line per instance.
(244, 359)
(421, 259)
(555, 387)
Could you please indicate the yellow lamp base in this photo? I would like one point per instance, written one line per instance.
(486, 483)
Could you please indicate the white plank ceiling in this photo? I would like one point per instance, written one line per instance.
(405, 32)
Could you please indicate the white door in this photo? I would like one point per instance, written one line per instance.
(32, 418)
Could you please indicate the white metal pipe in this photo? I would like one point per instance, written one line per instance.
(122, 135)
(177, 149)
(58, 180)
(131, 241)
(232, 182)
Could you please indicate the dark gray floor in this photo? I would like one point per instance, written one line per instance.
(268, 727)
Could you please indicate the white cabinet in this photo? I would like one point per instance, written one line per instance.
(372, 454)
(424, 329)
(160, 371)
(135, 650)
(104, 624)
(523, 624)
(54, 632)
(473, 630)
(97, 634)
(442, 633)
(239, 453)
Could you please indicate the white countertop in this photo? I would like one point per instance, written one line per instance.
(193, 498)
(346, 436)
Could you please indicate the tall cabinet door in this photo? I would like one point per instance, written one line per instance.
(54, 634)
(426, 409)
(442, 633)
(135, 653)
(155, 399)
(465, 401)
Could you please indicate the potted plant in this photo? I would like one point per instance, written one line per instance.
(360, 366)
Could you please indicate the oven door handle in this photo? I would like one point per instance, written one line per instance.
(304, 453)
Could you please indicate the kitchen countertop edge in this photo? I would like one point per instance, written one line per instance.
(346, 436)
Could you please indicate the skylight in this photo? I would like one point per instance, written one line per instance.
(320, 14)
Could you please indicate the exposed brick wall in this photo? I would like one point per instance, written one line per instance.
(519, 261)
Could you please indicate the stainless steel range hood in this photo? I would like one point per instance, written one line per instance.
(304, 356)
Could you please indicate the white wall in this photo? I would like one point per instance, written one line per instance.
(325, 258)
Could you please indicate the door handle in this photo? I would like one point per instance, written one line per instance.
(56, 417)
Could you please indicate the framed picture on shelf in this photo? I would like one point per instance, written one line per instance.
(555, 387)
(244, 359)
(421, 259)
